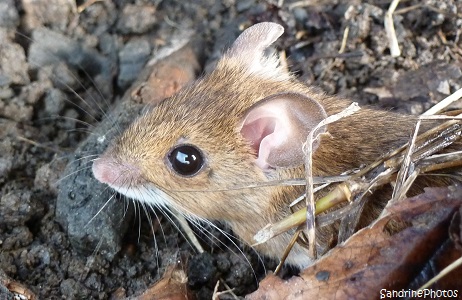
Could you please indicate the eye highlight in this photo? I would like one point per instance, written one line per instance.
(186, 160)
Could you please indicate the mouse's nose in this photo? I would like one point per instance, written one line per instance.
(108, 170)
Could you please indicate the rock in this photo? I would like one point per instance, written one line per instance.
(89, 211)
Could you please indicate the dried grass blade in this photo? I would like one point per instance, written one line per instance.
(308, 150)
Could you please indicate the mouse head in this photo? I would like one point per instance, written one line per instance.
(241, 124)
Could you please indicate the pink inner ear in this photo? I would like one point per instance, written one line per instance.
(257, 130)
(277, 126)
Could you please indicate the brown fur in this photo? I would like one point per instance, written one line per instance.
(207, 114)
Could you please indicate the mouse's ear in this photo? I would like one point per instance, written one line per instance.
(249, 47)
(255, 39)
(278, 126)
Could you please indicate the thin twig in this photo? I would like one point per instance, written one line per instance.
(344, 40)
(86, 4)
(404, 170)
(229, 290)
(281, 182)
(292, 242)
(444, 103)
(390, 29)
(37, 144)
(302, 3)
(187, 230)
(455, 264)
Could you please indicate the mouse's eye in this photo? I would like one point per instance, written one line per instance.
(186, 160)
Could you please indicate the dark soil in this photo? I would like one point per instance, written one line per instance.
(61, 69)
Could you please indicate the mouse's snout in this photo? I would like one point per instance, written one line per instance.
(108, 170)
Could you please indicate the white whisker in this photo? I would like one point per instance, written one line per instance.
(101, 209)
(72, 173)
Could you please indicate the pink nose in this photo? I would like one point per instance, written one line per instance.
(114, 173)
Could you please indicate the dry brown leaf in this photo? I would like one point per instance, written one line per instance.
(373, 259)
(446, 255)
(455, 230)
(173, 286)
(14, 287)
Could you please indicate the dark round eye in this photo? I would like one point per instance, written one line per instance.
(186, 160)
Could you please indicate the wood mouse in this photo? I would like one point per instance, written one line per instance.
(245, 122)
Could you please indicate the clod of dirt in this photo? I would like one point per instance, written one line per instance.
(56, 14)
(71, 288)
(13, 63)
(201, 269)
(64, 49)
(137, 19)
(132, 57)
(420, 89)
(9, 17)
(16, 208)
